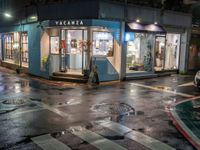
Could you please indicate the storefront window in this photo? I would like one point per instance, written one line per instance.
(159, 52)
(139, 53)
(8, 47)
(172, 51)
(102, 44)
(54, 45)
(74, 39)
(24, 46)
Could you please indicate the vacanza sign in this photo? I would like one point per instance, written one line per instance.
(68, 23)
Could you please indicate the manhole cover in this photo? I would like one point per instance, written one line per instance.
(115, 109)
(15, 101)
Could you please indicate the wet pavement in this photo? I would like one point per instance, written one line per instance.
(40, 114)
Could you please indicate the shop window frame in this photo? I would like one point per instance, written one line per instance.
(24, 54)
(8, 55)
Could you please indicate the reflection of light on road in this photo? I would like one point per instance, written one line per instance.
(162, 90)
(17, 88)
(149, 129)
(174, 100)
(1, 88)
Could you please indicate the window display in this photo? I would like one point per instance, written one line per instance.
(24, 45)
(103, 44)
(172, 51)
(54, 42)
(74, 39)
(12, 47)
(139, 53)
(8, 46)
(159, 53)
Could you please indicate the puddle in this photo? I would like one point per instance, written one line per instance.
(5, 111)
(117, 137)
(138, 113)
(36, 99)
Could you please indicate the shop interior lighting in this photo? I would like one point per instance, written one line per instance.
(138, 20)
(7, 15)
(33, 17)
(155, 22)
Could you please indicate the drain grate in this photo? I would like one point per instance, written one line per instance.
(15, 101)
(114, 109)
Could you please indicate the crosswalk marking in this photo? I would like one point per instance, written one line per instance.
(162, 90)
(145, 140)
(47, 142)
(96, 140)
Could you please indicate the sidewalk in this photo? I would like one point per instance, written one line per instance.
(186, 118)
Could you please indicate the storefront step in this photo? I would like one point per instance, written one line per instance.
(69, 79)
(137, 77)
(63, 74)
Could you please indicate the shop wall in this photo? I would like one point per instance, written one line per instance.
(34, 38)
(71, 10)
(111, 10)
(145, 14)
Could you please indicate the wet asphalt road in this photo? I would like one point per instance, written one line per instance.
(30, 108)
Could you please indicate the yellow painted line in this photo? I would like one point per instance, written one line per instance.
(186, 84)
(47, 142)
(143, 139)
(162, 90)
(95, 139)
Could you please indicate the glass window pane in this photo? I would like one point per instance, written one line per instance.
(159, 53)
(172, 51)
(54, 45)
(103, 44)
(139, 53)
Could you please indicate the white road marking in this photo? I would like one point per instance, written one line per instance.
(162, 90)
(143, 139)
(186, 84)
(95, 139)
(52, 109)
(47, 142)
(28, 111)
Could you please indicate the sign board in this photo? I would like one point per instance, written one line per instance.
(68, 23)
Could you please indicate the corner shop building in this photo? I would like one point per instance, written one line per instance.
(70, 39)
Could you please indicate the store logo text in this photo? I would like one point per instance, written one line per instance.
(69, 23)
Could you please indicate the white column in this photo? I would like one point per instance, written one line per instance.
(123, 51)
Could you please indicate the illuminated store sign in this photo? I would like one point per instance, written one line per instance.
(69, 23)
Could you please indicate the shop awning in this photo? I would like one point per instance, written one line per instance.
(138, 27)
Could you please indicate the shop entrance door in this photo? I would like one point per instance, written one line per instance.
(160, 42)
(73, 55)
